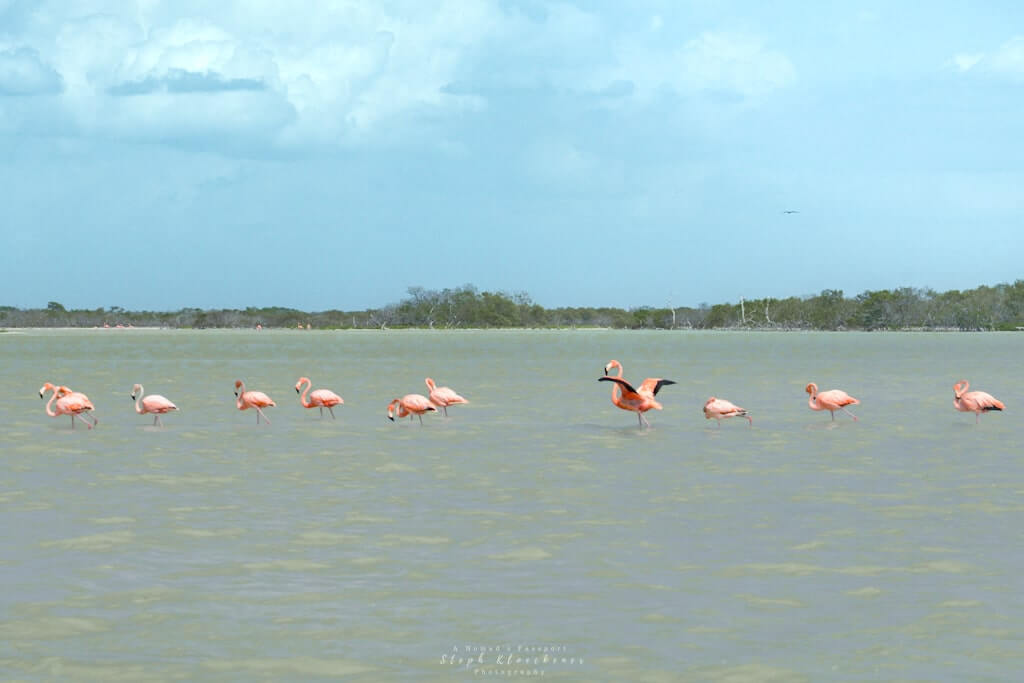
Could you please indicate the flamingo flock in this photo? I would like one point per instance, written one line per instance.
(64, 401)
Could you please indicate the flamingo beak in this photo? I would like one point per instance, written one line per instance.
(297, 390)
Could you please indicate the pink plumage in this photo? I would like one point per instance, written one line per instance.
(252, 399)
(409, 405)
(442, 397)
(719, 409)
(976, 402)
(831, 400)
(321, 398)
(154, 403)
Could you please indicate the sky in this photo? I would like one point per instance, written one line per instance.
(156, 155)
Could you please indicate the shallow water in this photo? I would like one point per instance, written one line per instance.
(537, 516)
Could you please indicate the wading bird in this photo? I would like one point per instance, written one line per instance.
(252, 399)
(975, 402)
(719, 409)
(831, 400)
(154, 403)
(409, 405)
(442, 397)
(69, 403)
(626, 397)
(321, 398)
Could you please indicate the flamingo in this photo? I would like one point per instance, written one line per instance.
(252, 399)
(322, 398)
(719, 408)
(832, 400)
(628, 398)
(974, 401)
(442, 397)
(154, 403)
(411, 404)
(68, 403)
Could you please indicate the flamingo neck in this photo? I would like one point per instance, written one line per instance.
(138, 401)
(49, 404)
(308, 384)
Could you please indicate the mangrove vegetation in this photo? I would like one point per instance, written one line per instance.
(1000, 307)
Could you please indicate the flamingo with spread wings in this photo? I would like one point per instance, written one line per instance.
(640, 400)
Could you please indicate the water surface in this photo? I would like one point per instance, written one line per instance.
(538, 516)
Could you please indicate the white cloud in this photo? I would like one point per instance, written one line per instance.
(341, 73)
(966, 62)
(22, 72)
(1010, 57)
(735, 64)
(1007, 60)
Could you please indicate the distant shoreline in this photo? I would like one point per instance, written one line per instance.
(983, 309)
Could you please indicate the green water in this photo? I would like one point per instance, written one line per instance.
(538, 515)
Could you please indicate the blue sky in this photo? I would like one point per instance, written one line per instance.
(158, 154)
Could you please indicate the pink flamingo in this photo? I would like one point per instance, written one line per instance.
(832, 400)
(252, 399)
(322, 398)
(442, 397)
(410, 404)
(975, 402)
(628, 398)
(69, 403)
(719, 409)
(154, 403)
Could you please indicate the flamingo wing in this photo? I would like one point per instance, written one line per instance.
(446, 396)
(986, 401)
(416, 403)
(836, 397)
(155, 403)
(627, 388)
(325, 397)
(258, 398)
(654, 385)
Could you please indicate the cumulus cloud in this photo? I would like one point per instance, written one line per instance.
(351, 73)
(23, 72)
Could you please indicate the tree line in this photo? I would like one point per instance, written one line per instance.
(1000, 307)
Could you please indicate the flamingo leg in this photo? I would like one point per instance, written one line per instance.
(421, 419)
(849, 413)
(260, 412)
(330, 410)
(833, 415)
(72, 420)
(445, 409)
(321, 412)
(977, 418)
